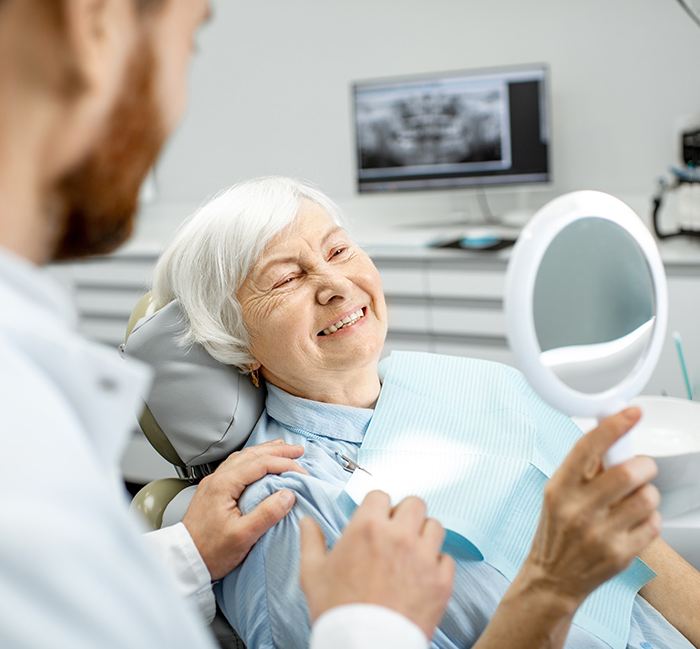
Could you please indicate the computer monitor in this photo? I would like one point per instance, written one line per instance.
(456, 129)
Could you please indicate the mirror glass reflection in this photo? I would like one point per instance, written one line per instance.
(594, 309)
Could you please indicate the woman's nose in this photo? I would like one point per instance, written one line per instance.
(333, 286)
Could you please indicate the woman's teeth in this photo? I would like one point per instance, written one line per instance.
(348, 320)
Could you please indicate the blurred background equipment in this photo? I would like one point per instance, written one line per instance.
(685, 184)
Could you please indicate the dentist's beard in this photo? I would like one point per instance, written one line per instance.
(96, 203)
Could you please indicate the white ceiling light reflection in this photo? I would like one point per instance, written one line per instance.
(413, 464)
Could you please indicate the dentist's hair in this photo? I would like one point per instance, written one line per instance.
(213, 252)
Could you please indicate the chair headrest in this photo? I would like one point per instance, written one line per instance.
(204, 408)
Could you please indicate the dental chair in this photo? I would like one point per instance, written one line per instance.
(198, 412)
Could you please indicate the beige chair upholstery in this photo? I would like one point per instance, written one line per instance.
(152, 499)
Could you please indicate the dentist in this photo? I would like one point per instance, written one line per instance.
(89, 92)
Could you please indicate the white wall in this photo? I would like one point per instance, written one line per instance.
(270, 92)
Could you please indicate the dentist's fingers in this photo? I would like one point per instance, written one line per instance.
(220, 533)
(410, 514)
(378, 560)
(277, 448)
(375, 504)
(446, 569)
(433, 535)
(268, 513)
(313, 549)
(256, 468)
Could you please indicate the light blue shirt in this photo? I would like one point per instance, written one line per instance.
(262, 598)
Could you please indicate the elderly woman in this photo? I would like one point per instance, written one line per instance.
(271, 282)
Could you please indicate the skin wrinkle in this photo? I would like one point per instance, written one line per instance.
(330, 277)
(267, 264)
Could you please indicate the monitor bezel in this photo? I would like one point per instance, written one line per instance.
(457, 182)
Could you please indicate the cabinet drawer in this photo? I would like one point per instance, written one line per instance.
(466, 320)
(109, 302)
(122, 273)
(464, 283)
(406, 343)
(497, 353)
(108, 331)
(408, 316)
(404, 281)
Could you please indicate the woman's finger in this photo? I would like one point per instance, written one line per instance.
(618, 482)
(592, 446)
(640, 537)
(635, 509)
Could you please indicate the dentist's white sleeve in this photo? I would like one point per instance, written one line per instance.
(174, 545)
(365, 626)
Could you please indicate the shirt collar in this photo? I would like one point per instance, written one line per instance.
(37, 287)
(331, 420)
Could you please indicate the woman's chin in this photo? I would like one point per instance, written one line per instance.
(353, 353)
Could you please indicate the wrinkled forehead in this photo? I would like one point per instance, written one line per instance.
(311, 227)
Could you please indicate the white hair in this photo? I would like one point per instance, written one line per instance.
(213, 252)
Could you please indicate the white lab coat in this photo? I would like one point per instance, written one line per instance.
(74, 568)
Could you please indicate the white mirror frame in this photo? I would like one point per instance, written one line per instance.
(519, 292)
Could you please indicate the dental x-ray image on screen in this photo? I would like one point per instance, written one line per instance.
(452, 129)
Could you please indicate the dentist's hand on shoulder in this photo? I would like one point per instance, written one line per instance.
(389, 557)
(222, 534)
(594, 521)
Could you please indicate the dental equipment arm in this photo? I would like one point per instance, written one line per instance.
(675, 592)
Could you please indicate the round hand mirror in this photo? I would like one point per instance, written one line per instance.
(586, 306)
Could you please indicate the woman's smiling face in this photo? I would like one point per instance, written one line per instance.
(313, 307)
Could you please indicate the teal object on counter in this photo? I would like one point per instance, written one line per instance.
(684, 368)
(474, 441)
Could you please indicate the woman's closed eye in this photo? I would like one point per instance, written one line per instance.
(339, 252)
(286, 281)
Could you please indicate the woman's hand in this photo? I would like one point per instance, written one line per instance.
(222, 534)
(390, 557)
(593, 521)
